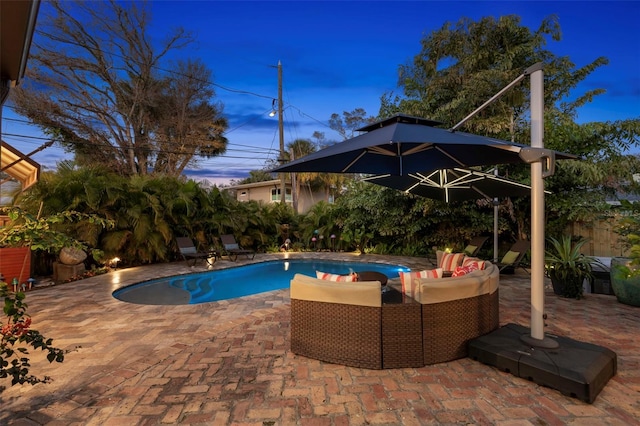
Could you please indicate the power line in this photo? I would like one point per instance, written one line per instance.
(250, 148)
(228, 89)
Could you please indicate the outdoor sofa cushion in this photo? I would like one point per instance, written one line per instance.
(407, 279)
(361, 293)
(474, 284)
(470, 248)
(509, 257)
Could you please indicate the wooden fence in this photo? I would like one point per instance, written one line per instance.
(603, 241)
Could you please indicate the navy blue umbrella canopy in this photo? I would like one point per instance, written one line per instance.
(402, 144)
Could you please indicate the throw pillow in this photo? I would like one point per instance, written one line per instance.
(407, 279)
(335, 277)
(479, 264)
(510, 257)
(463, 270)
(451, 260)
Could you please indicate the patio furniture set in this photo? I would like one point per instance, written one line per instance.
(357, 324)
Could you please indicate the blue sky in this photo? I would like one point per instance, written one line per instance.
(338, 56)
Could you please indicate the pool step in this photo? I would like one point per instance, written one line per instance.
(200, 288)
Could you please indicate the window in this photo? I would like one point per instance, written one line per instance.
(276, 195)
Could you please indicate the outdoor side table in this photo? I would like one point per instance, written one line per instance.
(373, 276)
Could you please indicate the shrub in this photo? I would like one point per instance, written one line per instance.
(15, 337)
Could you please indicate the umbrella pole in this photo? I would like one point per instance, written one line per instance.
(537, 337)
(495, 229)
(495, 223)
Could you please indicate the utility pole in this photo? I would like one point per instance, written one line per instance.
(283, 188)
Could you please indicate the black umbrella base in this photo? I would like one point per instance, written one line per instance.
(579, 370)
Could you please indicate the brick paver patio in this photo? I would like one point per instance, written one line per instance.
(229, 362)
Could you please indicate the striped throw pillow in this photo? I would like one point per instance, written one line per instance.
(469, 261)
(335, 277)
(451, 260)
(408, 280)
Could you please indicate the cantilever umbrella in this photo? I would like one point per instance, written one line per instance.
(402, 144)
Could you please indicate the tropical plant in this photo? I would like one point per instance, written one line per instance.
(318, 222)
(51, 233)
(357, 238)
(16, 336)
(567, 266)
(628, 230)
(463, 64)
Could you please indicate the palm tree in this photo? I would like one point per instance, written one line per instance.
(297, 149)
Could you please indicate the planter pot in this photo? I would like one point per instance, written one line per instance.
(15, 262)
(626, 289)
(569, 288)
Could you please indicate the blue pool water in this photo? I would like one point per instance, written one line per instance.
(239, 281)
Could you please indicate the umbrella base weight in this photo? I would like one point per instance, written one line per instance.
(576, 369)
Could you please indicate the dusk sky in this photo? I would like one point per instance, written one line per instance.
(338, 56)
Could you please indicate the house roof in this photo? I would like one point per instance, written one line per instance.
(19, 166)
(274, 182)
(17, 23)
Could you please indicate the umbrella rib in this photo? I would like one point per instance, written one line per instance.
(460, 163)
(379, 150)
(419, 148)
(480, 192)
(354, 161)
(374, 177)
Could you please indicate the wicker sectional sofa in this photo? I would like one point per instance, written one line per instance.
(456, 310)
(347, 323)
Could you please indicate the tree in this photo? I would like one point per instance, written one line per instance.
(96, 86)
(188, 125)
(297, 149)
(347, 125)
(462, 65)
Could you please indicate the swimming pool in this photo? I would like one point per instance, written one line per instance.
(239, 281)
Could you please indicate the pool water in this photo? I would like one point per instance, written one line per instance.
(239, 281)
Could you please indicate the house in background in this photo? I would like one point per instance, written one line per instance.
(270, 192)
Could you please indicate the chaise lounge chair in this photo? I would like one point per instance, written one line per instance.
(188, 251)
(513, 258)
(232, 249)
(475, 245)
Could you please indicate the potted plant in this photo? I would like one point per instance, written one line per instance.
(625, 271)
(49, 233)
(567, 267)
